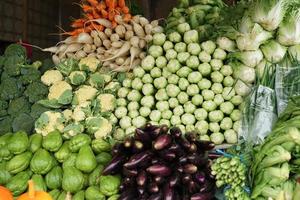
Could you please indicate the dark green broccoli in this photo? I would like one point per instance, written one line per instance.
(36, 91)
(13, 65)
(37, 110)
(18, 105)
(47, 64)
(11, 88)
(3, 108)
(29, 75)
(23, 122)
(15, 50)
(6, 124)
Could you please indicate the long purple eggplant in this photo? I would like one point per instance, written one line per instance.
(154, 133)
(115, 165)
(169, 193)
(175, 132)
(167, 155)
(190, 168)
(207, 186)
(162, 142)
(205, 145)
(128, 143)
(153, 188)
(202, 196)
(184, 143)
(141, 179)
(174, 180)
(142, 136)
(130, 194)
(193, 148)
(141, 190)
(197, 159)
(159, 170)
(193, 187)
(186, 178)
(119, 149)
(191, 137)
(183, 159)
(164, 129)
(138, 159)
(138, 146)
(129, 172)
(157, 196)
(158, 179)
(200, 177)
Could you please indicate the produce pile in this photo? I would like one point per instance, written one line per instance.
(185, 84)
(20, 90)
(160, 164)
(83, 96)
(57, 166)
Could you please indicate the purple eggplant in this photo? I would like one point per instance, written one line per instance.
(128, 181)
(207, 186)
(142, 136)
(130, 194)
(115, 165)
(175, 132)
(174, 180)
(154, 133)
(190, 169)
(200, 177)
(197, 159)
(180, 169)
(193, 148)
(193, 187)
(164, 129)
(129, 172)
(184, 143)
(143, 197)
(186, 178)
(169, 193)
(141, 190)
(153, 188)
(141, 179)
(156, 160)
(138, 146)
(167, 155)
(205, 145)
(158, 179)
(202, 196)
(214, 155)
(138, 159)
(191, 137)
(159, 170)
(183, 160)
(119, 149)
(162, 142)
(128, 143)
(157, 196)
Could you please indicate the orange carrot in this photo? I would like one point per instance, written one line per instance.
(78, 23)
(119, 10)
(114, 24)
(127, 17)
(86, 8)
(95, 14)
(121, 3)
(125, 10)
(93, 2)
(104, 13)
(89, 16)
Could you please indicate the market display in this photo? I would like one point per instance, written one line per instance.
(132, 109)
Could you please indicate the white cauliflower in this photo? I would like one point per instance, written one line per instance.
(51, 76)
(67, 114)
(89, 64)
(62, 92)
(107, 102)
(98, 126)
(81, 111)
(83, 94)
(49, 121)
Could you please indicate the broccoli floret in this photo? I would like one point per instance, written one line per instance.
(5, 125)
(11, 88)
(13, 65)
(23, 122)
(3, 108)
(67, 66)
(36, 91)
(15, 50)
(4, 76)
(37, 110)
(47, 64)
(30, 75)
(18, 105)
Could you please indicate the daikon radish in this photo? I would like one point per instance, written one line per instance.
(124, 49)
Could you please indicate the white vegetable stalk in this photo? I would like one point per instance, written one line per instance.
(269, 13)
(243, 72)
(294, 52)
(260, 68)
(249, 58)
(226, 44)
(273, 51)
(289, 30)
(241, 88)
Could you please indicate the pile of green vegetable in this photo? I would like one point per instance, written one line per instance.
(182, 83)
(275, 167)
(202, 15)
(20, 89)
(82, 98)
(57, 166)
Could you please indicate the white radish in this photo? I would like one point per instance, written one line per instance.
(51, 49)
(107, 44)
(92, 55)
(128, 27)
(106, 63)
(136, 19)
(104, 22)
(68, 40)
(100, 50)
(62, 48)
(117, 44)
(128, 35)
(142, 55)
(134, 52)
(123, 50)
(120, 60)
(148, 29)
(87, 48)
(134, 41)
(136, 63)
(114, 37)
(119, 19)
(120, 30)
(94, 33)
(94, 47)
(113, 66)
(73, 48)
(71, 55)
(144, 21)
(108, 32)
(97, 41)
(55, 59)
(102, 36)
(148, 38)
(138, 29)
(84, 38)
(80, 54)
(100, 57)
(142, 44)
(158, 29)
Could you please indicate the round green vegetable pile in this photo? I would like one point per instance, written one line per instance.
(181, 83)
(57, 166)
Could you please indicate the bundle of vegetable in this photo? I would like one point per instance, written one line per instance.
(158, 165)
(84, 96)
(20, 89)
(56, 166)
(182, 83)
(231, 172)
(202, 15)
(275, 166)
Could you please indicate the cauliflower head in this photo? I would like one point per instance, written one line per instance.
(61, 91)
(67, 114)
(83, 94)
(73, 129)
(49, 121)
(89, 64)
(107, 102)
(98, 126)
(81, 111)
(50, 77)
(77, 77)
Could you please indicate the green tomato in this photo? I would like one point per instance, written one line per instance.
(161, 95)
(155, 115)
(218, 99)
(217, 88)
(194, 77)
(155, 72)
(236, 100)
(190, 128)
(145, 111)
(236, 115)
(148, 63)
(167, 114)
(162, 106)
(123, 92)
(200, 114)
(214, 127)
(204, 84)
(155, 51)
(147, 79)
(216, 77)
(220, 54)
(209, 105)
(208, 46)
(215, 116)
(194, 49)
(183, 97)
(160, 82)
(127, 83)
(130, 130)
(226, 123)
(138, 72)
(173, 102)
(133, 105)
(217, 138)
(161, 62)
(183, 83)
(182, 57)
(181, 127)
(172, 90)
(164, 122)
(148, 101)
(237, 126)
(148, 89)
(204, 69)
(208, 95)
(166, 73)
(188, 119)
(125, 122)
(173, 79)
(204, 137)
(189, 107)
(202, 127)
(197, 100)
(178, 110)
(227, 107)
(171, 54)
(139, 121)
(228, 93)
(137, 84)
(192, 90)
(168, 45)
(175, 120)
(180, 47)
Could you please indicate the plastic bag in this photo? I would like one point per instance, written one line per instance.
(259, 115)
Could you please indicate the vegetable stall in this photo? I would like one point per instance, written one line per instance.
(201, 105)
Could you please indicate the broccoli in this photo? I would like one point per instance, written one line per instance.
(11, 88)
(23, 122)
(36, 91)
(18, 105)
(15, 50)
(13, 65)
(37, 110)
(96, 80)
(3, 108)
(29, 75)
(5, 124)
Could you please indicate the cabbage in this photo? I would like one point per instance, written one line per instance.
(273, 51)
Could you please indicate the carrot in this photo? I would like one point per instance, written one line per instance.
(89, 16)
(125, 10)
(104, 13)
(127, 17)
(78, 23)
(114, 24)
(74, 32)
(94, 3)
(121, 3)
(119, 10)
(95, 14)
(86, 8)
(101, 6)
